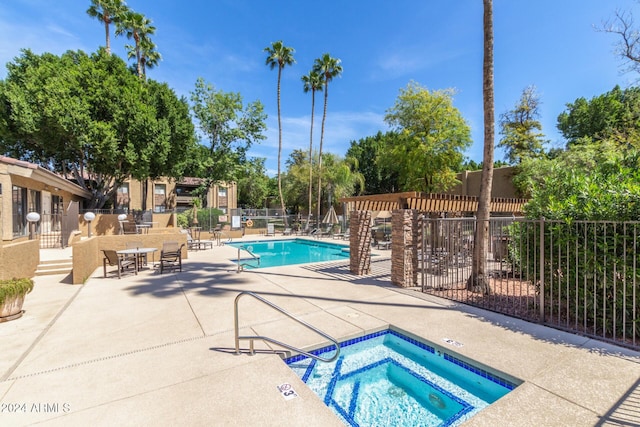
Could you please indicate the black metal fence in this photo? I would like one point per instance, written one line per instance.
(580, 276)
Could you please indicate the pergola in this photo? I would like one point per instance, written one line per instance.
(429, 202)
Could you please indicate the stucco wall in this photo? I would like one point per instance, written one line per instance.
(87, 253)
(502, 185)
(108, 224)
(19, 259)
(85, 259)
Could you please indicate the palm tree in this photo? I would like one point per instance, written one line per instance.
(479, 280)
(149, 56)
(137, 27)
(107, 12)
(328, 68)
(312, 82)
(279, 55)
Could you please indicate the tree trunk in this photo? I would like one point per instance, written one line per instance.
(313, 103)
(284, 213)
(479, 279)
(324, 116)
(108, 42)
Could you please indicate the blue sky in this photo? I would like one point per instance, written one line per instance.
(382, 44)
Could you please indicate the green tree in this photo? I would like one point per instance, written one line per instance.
(279, 55)
(137, 27)
(612, 115)
(253, 183)
(297, 180)
(90, 119)
(329, 68)
(431, 136)
(108, 12)
(230, 128)
(521, 128)
(380, 176)
(340, 178)
(478, 281)
(312, 82)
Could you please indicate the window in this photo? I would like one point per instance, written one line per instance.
(122, 198)
(19, 210)
(159, 198)
(222, 198)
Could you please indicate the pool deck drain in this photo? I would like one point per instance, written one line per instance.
(158, 350)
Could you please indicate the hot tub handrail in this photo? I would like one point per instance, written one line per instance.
(251, 338)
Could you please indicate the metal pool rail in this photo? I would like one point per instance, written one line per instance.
(242, 264)
(251, 338)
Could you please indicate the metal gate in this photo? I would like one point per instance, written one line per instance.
(55, 228)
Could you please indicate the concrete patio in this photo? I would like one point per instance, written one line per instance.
(157, 350)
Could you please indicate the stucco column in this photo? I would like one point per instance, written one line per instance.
(360, 242)
(404, 244)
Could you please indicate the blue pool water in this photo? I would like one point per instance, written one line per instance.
(389, 379)
(275, 253)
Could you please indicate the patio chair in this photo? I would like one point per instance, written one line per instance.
(171, 256)
(112, 258)
(287, 231)
(127, 227)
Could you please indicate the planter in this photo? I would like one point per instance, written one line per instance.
(11, 308)
(12, 294)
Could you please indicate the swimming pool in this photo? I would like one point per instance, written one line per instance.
(275, 253)
(387, 378)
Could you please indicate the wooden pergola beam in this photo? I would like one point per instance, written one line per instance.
(431, 202)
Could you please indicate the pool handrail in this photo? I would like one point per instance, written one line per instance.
(240, 263)
(251, 338)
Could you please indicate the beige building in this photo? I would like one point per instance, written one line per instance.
(26, 187)
(502, 183)
(166, 194)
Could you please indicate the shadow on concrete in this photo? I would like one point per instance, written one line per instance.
(626, 412)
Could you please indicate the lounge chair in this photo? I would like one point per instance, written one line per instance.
(112, 258)
(328, 231)
(343, 236)
(194, 242)
(270, 230)
(171, 256)
(287, 231)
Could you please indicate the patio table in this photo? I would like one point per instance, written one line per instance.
(138, 252)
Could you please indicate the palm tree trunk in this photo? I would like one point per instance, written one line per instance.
(479, 280)
(313, 103)
(324, 117)
(106, 31)
(284, 214)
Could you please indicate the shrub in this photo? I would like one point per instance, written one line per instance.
(590, 234)
(14, 287)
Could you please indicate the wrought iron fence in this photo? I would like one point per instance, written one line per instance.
(580, 276)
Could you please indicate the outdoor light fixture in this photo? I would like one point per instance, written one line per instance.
(89, 216)
(121, 219)
(32, 217)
